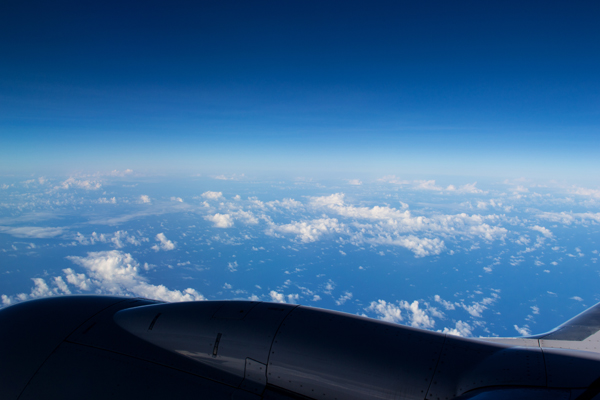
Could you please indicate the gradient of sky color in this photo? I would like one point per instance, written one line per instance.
(431, 87)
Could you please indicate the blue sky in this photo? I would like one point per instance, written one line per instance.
(434, 88)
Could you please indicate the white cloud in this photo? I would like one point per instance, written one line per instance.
(40, 289)
(233, 177)
(246, 217)
(447, 305)
(79, 280)
(220, 220)
(117, 273)
(418, 317)
(568, 218)
(336, 199)
(117, 240)
(145, 199)
(288, 204)
(277, 297)
(61, 285)
(523, 331)
(345, 297)
(475, 309)
(393, 179)
(81, 184)
(307, 231)
(542, 230)
(595, 193)
(165, 244)
(232, 266)
(32, 231)
(386, 311)
(212, 195)
(108, 272)
(427, 185)
(420, 246)
(535, 309)
(355, 182)
(576, 298)
(520, 189)
(121, 173)
(177, 199)
(104, 200)
(329, 286)
(460, 329)
(390, 312)
(469, 188)
(394, 221)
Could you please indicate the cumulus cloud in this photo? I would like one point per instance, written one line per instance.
(79, 280)
(277, 297)
(427, 185)
(468, 188)
(117, 273)
(384, 225)
(220, 220)
(461, 329)
(345, 297)
(81, 184)
(421, 247)
(232, 266)
(232, 177)
(246, 217)
(391, 312)
(121, 173)
(523, 331)
(447, 305)
(40, 289)
(119, 239)
(568, 218)
(542, 230)
(581, 191)
(164, 243)
(386, 311)
(393, 179)
(402, 221)
(476, 309)
(212, 195)
(288, 204)
(106, 272)
(355, 182)
(145, 199)
(307, 231)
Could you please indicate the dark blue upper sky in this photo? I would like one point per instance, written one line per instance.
(385, 87)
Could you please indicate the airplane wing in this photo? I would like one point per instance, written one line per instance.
(98, 347)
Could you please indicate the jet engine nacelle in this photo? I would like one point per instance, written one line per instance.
(98, 347)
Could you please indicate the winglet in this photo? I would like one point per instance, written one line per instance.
(578, 328)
